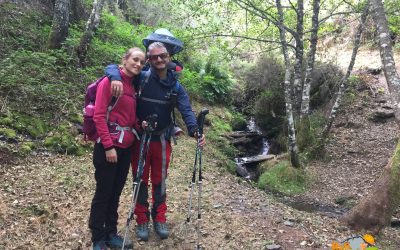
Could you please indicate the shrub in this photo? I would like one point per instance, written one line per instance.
(208, 79)
(238, 122)
(48, 85)
(324, 84)
(8, 133)
(62, 141)
(284, 178)
(24, 124)
(263, 79)
(22, 28)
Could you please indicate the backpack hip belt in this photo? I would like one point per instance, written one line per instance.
(118, 129)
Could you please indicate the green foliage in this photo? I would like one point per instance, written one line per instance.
(238, 122)
(284, 178)
(215, 135)
(62, 141)
(41, 81)
(351, 91)
(324, 84)
(270, 111)
(24, 124)
(26, 148)
(22, 28)
(208, 79)
(263, 93)
(8, 133)
(392, 8)
(307, 131)
(113, 38)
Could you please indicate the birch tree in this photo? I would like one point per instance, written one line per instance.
(59, 28)
(375, 211)
(288, 98)
(91, 26)
(305, 97)
(343, 82)
(299, 52)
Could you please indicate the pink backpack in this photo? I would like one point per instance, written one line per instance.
(89, 127)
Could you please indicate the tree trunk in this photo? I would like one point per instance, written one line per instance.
(305, 99)
(91, 26)
(375, 211)
(343, 82)
(298, 66)
(288, 101)
(112, 6)
(59, 30)
(78, 12)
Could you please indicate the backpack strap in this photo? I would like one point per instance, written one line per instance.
(144, 79)
(111, 105)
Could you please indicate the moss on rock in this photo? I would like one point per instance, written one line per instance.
(8, 133)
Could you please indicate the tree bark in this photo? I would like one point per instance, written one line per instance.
(288, 101)
(374, 212)
(59, 30)
(343, 82)
(299, 51)
(91, 26)
(78, 12)
(305, 99)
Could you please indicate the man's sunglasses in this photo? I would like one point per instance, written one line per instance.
(155, 57)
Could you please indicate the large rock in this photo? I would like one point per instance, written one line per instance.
(247, 143)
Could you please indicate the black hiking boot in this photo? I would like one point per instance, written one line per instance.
(161, 229)
(115, 242)
(142, 231)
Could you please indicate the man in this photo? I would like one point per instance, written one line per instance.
(156, 96)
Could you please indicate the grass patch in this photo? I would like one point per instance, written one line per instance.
(284, 178)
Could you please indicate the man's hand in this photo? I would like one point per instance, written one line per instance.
(202, 140)
(111, 156)
(116, 88)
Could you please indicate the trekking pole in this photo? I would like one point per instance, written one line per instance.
(200, 124)
(144, 147)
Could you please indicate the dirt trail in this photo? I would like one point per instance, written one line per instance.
(45, 200)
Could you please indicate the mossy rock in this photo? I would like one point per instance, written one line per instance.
(8, 133)
(34, 127)
(238, 123)
(25, 124)
(26, 148)
(62, 141)
(6, 120)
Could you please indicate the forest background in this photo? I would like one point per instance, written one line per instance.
(267, 60)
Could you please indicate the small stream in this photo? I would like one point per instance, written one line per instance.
(247, 168)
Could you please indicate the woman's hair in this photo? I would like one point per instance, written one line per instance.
(129, 52)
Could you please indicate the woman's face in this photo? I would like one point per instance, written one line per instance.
(134, 63)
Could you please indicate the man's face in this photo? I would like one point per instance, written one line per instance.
(159, 58)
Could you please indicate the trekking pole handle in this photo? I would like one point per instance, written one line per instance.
(200, 121)
(151, 123)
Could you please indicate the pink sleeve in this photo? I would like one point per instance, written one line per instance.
(103, 98)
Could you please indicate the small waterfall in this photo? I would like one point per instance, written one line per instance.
(246, 166)
(252, 127)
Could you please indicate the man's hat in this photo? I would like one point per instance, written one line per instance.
(172, 44)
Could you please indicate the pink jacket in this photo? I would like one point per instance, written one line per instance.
(123, 114)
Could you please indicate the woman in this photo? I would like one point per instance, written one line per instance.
(112, 152)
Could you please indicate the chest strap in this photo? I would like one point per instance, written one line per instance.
(154, 100)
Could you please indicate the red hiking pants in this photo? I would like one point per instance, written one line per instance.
(152, 168)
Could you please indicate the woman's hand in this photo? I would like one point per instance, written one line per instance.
(116, 88)
(111, 156)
